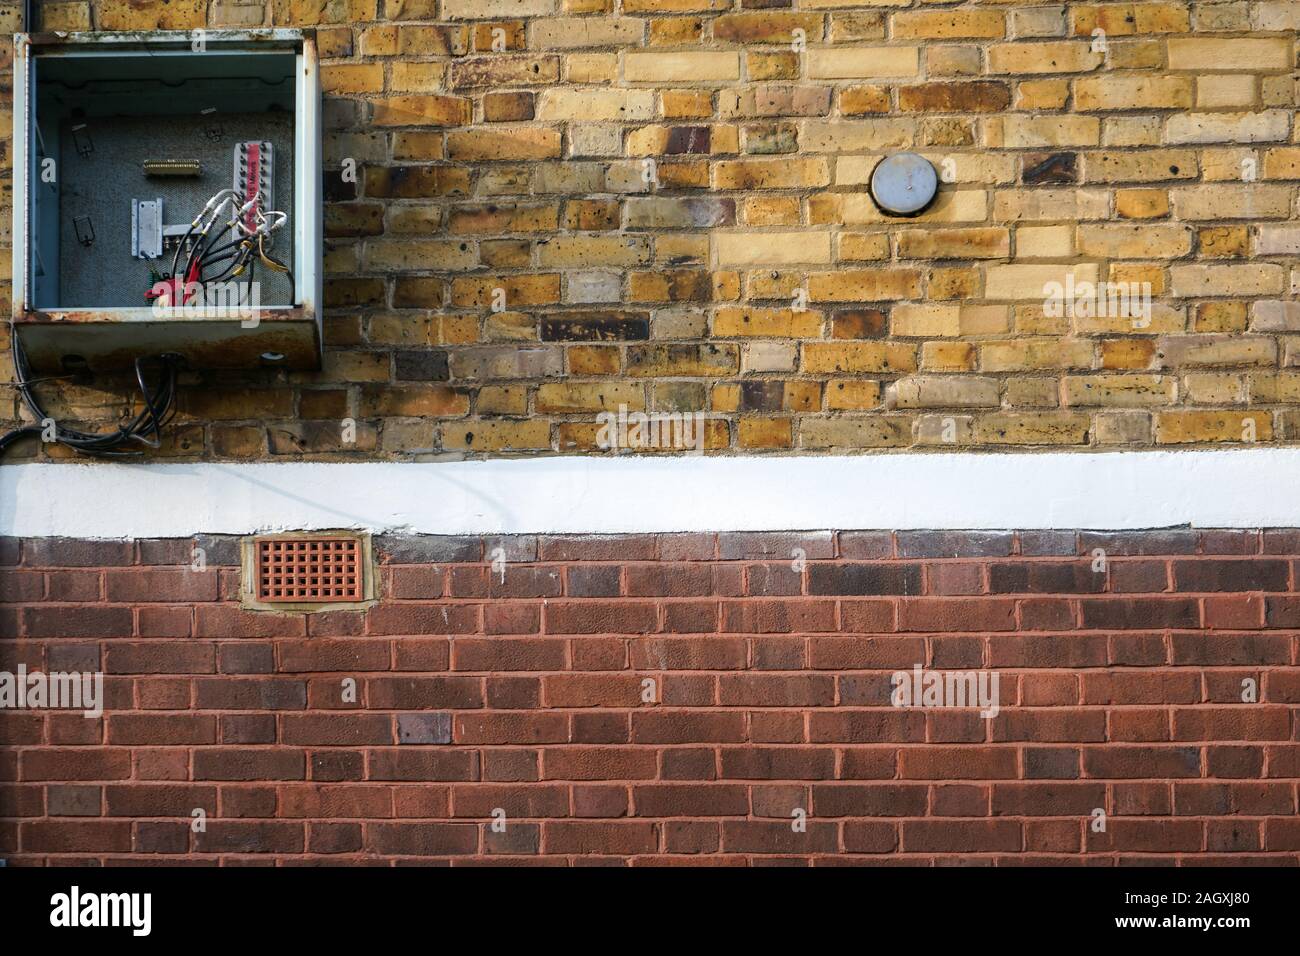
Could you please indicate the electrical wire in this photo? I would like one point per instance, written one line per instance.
(252, 228)
(145, 428)
(243, 253)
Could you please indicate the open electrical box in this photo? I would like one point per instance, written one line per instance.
(167, 199)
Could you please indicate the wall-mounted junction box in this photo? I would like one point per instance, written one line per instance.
(120, 141)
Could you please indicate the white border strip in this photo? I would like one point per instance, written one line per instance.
(577, 495)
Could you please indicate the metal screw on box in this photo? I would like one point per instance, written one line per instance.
(904, 184)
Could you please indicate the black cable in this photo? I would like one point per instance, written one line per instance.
(146, 427)
(8, 438)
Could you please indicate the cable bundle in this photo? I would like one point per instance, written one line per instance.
(252, 227)
(145, 428)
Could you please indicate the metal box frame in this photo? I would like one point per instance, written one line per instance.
(284, 336)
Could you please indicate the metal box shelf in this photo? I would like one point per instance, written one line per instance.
(116, 135)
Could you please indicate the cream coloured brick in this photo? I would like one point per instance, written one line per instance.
(1044, 242)
(1032, 391)
(942, 391)
(771, 100)
(769, 357)
(1229, 164)
(595, 139)
(573, 33)
(876, 431)
(1125, 92)
(428, 255)
(1250, 278)
(841, 136)
(1141, 166)
(1032, 281)
(943, 429)
(1038, 22)
(595, 105)
(1147, 241)
(1274, 387)
(679, 212)
(591, 68)
(1020, 355)
(603, 250)
(948, 60)
(982, 167)
(1272, 15)
(1268, 126)
(1192, 351)
(1036, 205)
(1126, 310)
(1132, 130)
(1278, 241)
(1132, 391)
(1236, 201)
(1018, 131)
(567, 397)
(772, 248)
(684, 67)
(1214, 388)
(676, 324)
(863, 62)
(1219, 90)
(1274, 315)
(941, 319)
(1064, 56)
(1205, 54)
(588, 288)
(948, 24)
(1030, 428)
(1123, 428)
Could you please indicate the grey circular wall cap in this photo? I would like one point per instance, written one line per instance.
(903, 184)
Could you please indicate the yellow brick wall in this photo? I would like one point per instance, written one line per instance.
(666, 201)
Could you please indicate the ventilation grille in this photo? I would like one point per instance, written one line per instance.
(309, 570)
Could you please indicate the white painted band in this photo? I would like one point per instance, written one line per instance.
(1117, 490)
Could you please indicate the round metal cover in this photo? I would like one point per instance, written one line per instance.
(903, 184)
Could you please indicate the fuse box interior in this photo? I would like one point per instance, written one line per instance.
(156, 169)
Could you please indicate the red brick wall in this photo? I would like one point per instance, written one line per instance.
(1120, 690)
